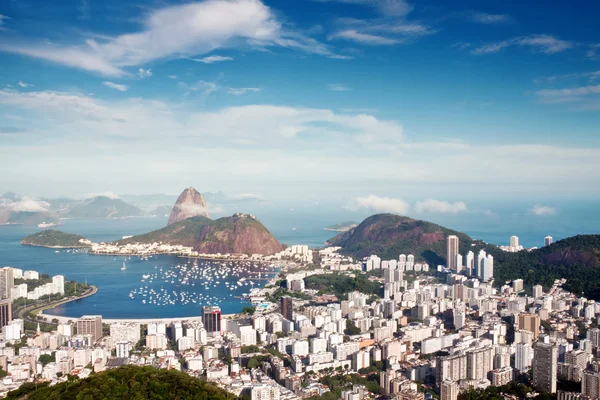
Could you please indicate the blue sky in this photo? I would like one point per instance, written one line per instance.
(355, 101)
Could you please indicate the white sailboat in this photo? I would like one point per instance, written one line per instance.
(123, 268)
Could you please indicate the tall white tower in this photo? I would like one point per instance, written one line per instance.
(452, 252)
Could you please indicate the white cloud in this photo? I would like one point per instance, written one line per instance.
(437, 206)
(203, 87)
(567, 94)
(538, 43)
(541, 210)
(387, 8)
(338, 87)
(110, 195)
(176, 31)
(172, 76)
(384, 31)
(116, 86)
(241, 91)
(486, 18)
(379, 204)
(28, 204)
(144, 73)
(212, 59)
(245, 196)
(23, 84)
(360, 37)
(261, 143)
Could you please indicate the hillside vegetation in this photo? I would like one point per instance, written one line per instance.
(238, 234)
(576, 259)
(129, 382)
(389, 235)
(54, 238)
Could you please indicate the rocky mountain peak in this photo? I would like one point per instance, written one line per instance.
(190, 203)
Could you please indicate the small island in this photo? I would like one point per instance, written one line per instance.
(56, 240)
(343, 227)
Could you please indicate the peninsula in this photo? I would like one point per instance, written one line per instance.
(55, 239)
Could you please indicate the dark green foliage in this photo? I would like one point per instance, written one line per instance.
(129, 382)
(249, 310)
(351, 328)
(340, 285)
(576, 259)
(212, 236)
(342, 381)
(389, 235)
(47, 358)
(54, 238)
(250, 349)
(495, 393)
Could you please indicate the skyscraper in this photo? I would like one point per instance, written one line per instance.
(459, 263)
(514, 242)
(523, 356)
(7, 281)
(545, 366)
(470, 263)
(5, 312)
(548, 240)
(286, 308)
(211, 318)
(487, 272)
(479, 266)
(452, 252)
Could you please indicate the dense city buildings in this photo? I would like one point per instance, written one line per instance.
(453, 329)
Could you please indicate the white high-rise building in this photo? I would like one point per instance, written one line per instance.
(538, 291)
(123, 349)
(548, 240)
(459, 263)
(451, 252)
(523, 356)
(487, 272)
(410, 262)
(470, 263)
(480, 257)
(58, 284)
(514, 242)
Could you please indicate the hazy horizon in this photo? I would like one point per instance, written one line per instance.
(365, 102)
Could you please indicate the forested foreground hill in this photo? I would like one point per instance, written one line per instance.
(129, 382)
(577, 259)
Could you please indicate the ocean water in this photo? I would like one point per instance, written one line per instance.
(290, 225)
(173, 298)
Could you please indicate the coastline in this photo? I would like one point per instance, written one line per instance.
(54, 247)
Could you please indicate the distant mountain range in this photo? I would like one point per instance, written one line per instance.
(16, 209)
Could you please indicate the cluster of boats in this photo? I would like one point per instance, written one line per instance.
(203, 283)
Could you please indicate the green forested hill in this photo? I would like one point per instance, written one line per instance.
(389, 235)
(129, 382)
(576, 259)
